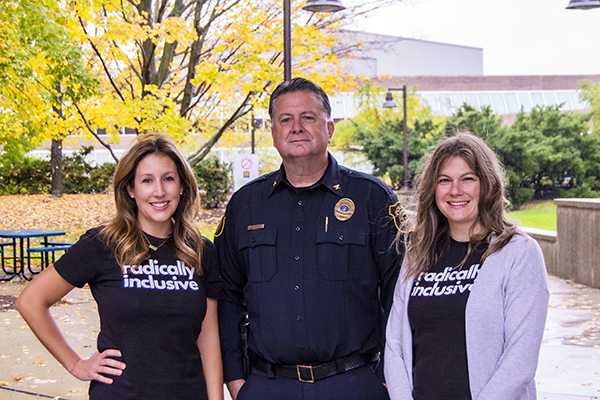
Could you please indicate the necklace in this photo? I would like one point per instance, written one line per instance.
(151, 246)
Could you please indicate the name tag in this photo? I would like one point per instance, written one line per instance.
(255, 227)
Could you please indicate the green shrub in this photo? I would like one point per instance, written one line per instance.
(214, 177)
(101, 177)
(32, 175)
(80, 177)
(28, 176)
(519, 196)
(581, 192)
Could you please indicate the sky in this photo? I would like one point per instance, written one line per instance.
(518, 37)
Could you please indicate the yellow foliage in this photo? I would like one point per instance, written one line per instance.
(182, 71)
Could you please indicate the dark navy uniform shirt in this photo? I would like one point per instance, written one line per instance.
(313, 268)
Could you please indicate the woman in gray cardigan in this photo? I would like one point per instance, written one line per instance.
(471, 301)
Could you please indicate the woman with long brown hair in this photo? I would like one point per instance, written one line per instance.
(471, 301)
(156, 282)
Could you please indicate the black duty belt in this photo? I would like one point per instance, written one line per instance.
(312, 373)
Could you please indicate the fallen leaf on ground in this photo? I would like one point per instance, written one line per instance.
(42, 211)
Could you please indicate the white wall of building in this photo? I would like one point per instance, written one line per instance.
(381, 55)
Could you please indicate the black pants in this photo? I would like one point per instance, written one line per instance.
(358, 384)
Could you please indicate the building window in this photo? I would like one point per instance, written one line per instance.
(498, 102)
(525, 100)
(511, 103)
(550, 98)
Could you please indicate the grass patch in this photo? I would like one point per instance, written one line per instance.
(538, 214)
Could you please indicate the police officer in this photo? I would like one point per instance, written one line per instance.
(306, 256)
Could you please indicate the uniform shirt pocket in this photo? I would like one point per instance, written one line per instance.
(258, 248)
(333, 249)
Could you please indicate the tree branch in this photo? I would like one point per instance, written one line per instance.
(93, 132)
(242, 110)
(112, 82)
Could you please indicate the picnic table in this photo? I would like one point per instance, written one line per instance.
(22, 249)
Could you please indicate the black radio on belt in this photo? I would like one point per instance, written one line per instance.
(244, 327)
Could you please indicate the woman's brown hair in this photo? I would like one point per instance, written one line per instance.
(430, 235)
(123, 233)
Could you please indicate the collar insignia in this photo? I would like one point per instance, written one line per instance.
(336, 187)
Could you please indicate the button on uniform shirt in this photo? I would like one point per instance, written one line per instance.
(313, 268)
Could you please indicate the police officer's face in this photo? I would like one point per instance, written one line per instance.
(300, 127)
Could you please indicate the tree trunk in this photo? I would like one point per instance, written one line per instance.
(56, 166)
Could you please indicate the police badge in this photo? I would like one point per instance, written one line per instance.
(344, 209)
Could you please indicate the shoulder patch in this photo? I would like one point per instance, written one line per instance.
(399, 215)
(220, 227)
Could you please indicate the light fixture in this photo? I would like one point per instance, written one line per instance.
(583, 4)
(323, 6)
(389, 100)
(311, 5)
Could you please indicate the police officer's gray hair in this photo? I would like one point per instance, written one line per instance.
(300, 85)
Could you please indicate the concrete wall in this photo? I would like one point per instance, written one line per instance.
(573, 251)
(578, 227)
(548, 241)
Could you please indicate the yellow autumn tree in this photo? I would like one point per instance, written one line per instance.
(188, 68)
(42, 75)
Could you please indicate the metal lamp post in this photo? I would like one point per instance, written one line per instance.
(391, 103)
(311, 5)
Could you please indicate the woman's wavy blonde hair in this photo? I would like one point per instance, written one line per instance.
(123, 233)
(430, 236)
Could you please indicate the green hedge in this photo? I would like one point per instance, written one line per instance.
(519, 196)
(32, 175)
(81, 177)
(579, 192)
(214, 177)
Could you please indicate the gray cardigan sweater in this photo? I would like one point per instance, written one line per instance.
(505, 318)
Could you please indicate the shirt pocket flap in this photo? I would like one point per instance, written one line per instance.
(342, 235)
(258, 248)
(258, 237)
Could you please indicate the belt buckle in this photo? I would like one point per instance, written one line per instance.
(303, 372)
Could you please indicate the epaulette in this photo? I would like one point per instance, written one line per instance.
(362, 175)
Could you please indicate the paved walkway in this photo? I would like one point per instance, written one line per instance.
(569, 367)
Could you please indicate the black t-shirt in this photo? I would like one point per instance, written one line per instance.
(436, 311)
(152, 313)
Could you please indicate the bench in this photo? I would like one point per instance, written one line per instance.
(55, 243)
(44, 252)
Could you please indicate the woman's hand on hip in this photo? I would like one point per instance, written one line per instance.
(99, 363)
